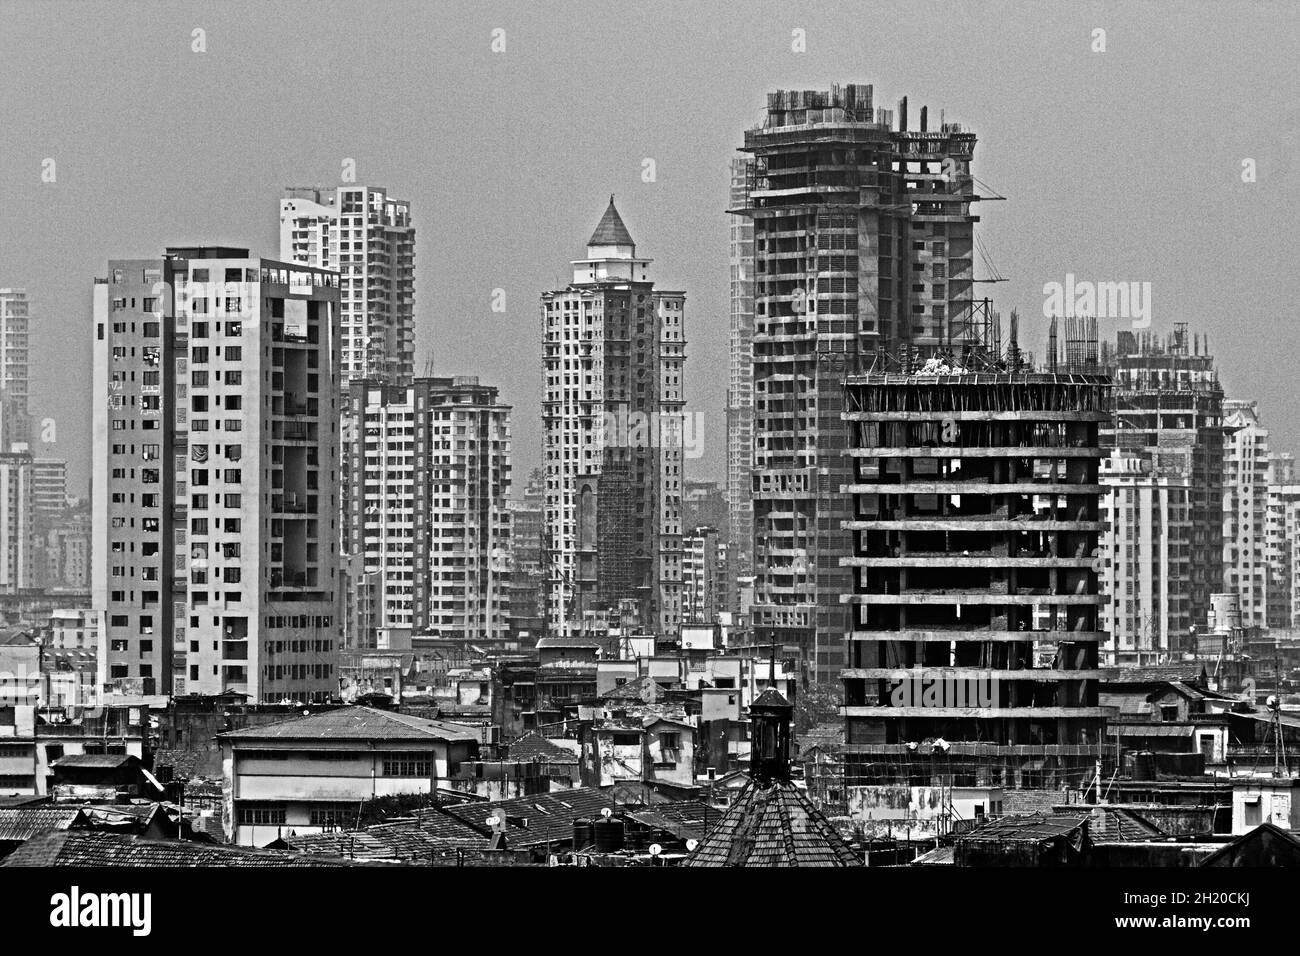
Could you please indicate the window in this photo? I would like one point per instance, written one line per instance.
(333, 814)
(261, 816)
(408, 765)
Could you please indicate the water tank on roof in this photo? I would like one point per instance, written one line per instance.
(609, 835)
(584, 834)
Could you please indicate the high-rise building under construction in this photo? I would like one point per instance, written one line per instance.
(974, 603)
(862, 251)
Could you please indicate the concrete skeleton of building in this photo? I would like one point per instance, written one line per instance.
(367, 237)
(975, 606)
(613, 420)
(862, 245)
(427, 519)
(215, 470)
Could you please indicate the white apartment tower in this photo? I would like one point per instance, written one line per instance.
(214, 494)
(1145, 553)
(428, 524)
(613, 419)
(1282, 544)
(367, 237)
(15, 319)
(17, 523)
(1245, 507)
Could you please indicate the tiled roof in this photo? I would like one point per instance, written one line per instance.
(1187, 673)
(610, 231)
(644, 689)
(356, 723)
(549, 816)
(1035, 828)
(533, 746)
(1266, 845)
(684, 819)
(772, 824)
(23, 823)
(415, 840)
(98, 848)
(770, 698)
(1114, 823)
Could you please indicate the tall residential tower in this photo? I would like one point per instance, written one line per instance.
(215, 468)
(367, 237)
(428, 467)
(613, 418)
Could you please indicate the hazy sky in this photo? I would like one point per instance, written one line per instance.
(1122, 165)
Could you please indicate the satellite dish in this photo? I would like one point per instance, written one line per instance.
(655, 849)
(690, 844)
(606, 812)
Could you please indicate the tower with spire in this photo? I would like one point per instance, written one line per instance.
(612, 412)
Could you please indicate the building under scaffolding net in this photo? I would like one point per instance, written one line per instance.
(972, 657)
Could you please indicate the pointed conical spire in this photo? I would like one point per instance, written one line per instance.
(610, 231)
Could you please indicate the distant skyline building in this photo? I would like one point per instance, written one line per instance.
(428, 467)
(1145, 556)
(15, 368)
(704, 575)
(18, 526)
(528, 584)
(1282, 544)
(1245, 508)
(704, 504)
(51, 480)
(1169, 404)
(862, 248)
(367, 237)
(215, 500)
(612, 413)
